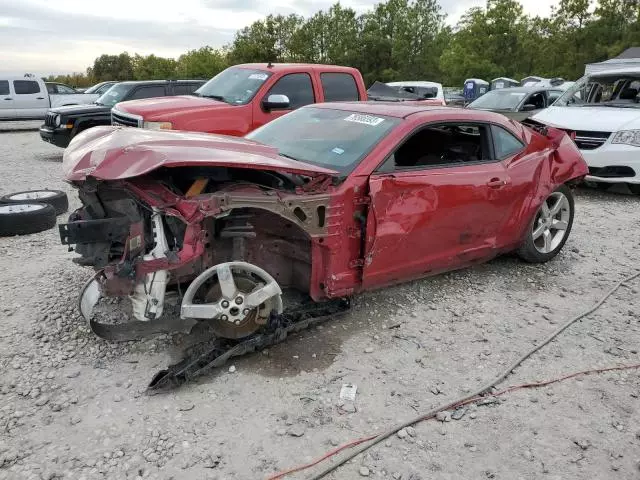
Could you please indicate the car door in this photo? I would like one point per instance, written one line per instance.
(437, 203)
(6, 100)
(29, 100)
(298, 87)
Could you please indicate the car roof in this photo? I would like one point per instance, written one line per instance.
(615, 71)
(405, 109)
(525, 89)
(388, 109)
(418, 83)
(152, 82)
(276, 67)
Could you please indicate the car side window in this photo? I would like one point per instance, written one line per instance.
(339, 87)
(65, 89)
(51, 88)
(4, 87)
(553, 95)
(445, 145)
(536, 99)
(103, 89)
(505, 143)
(296, 86)
(185, 88)
(149, 91)
(26, 87)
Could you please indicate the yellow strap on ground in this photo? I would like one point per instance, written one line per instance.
(197, 187)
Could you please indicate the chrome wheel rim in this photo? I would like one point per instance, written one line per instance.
(35, 195)
(20, 207)
(551, 223)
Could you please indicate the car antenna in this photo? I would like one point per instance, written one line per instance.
(269, 65)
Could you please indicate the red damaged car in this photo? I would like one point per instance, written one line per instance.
(329, 200)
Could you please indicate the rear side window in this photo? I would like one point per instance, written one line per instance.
(26, 87)
(4, 87)
(185, 88)
(339, 87)
(504, 143)
(148, 92)
(296, 86)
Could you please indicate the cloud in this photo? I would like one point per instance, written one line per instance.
(42, 37)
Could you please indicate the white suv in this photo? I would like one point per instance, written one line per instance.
(602, 113)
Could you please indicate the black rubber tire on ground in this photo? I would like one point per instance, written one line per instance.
(56, 198)
(23, 218)
(634, 188)
(528, 251)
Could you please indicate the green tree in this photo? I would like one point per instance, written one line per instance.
(205, 62)
(153, 68)
(113, 67)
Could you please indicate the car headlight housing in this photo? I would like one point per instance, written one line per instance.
(58, 120)
(157, 125)
(627, 137)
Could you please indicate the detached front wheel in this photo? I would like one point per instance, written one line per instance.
(550, 227)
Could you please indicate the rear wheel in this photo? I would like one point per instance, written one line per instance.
(550, 227)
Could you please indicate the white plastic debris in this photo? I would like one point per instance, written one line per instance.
(348, 392)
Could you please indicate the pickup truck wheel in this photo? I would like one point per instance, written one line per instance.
(550, 227)
(56, 198)
(25, 218)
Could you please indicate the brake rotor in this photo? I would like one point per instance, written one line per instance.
(256, 318)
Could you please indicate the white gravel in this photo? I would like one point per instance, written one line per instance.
(71, 405)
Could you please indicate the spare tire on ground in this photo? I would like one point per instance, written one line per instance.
(56, 198)
(25, 218)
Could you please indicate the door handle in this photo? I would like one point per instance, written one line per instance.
(496, 182)
(8, 98)
(39, 98)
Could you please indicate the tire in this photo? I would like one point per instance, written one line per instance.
(57, 199)
(542, 242)
(25, 218)
(634, 188)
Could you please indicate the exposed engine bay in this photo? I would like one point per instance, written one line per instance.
(225, 241)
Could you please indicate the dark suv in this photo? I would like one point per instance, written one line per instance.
(63, 123)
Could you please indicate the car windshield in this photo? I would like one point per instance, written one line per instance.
(501, 99)
(335, 139)
(612, 90)
(235, 85)
(113, 95)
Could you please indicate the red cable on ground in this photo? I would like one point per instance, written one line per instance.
(470, 400)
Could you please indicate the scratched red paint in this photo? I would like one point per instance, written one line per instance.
(379, 228)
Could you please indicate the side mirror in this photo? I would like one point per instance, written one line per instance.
(529, 107)
(276, 102)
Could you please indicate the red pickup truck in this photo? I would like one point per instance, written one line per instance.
(243, 98)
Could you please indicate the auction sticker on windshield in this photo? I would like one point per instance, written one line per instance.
(366, 119)
(258, 76)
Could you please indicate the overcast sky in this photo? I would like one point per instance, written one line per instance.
(62, 36)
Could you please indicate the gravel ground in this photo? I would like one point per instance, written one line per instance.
(72, 406)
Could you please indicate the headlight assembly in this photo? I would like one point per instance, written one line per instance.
(627, 137)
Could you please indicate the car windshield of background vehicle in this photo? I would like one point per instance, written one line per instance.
(335, 139)
(498, 100)
(618, 91)
(114, 95)
(236, 86)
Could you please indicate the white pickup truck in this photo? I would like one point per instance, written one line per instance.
(27, 98)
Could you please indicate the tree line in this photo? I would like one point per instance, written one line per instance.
(408, 40)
